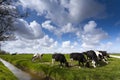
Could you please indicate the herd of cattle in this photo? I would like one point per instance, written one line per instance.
(89, 58)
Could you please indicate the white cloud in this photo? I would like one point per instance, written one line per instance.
(48, 26)
(68, 47)
(47, 42)
(83, 9)
(69, 11)
(66, 44)
(65, 15)
(22, 45)
(106, 46)
(90, 27)
(110, 46)
(91, 35)
(32, 31)
(68, 28)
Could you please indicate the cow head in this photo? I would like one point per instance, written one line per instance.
(103, 58)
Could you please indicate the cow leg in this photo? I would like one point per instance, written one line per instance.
(83, 64)
(71, 60)
(40, 58)
(105, 58)
(61, 65)
(53, 61)
(33, 59)
(79, 64)
(87, 64)
(88, 58)
(93, 63)
(105, 61)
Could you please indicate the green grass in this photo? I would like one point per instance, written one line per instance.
(5, 74)
(44, 68)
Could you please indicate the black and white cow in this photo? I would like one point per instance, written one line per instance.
(105, 54)
(95, 57)
(37, 56)
(78, 57)
(60, 58)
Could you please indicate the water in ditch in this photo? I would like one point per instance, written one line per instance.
(21, 75)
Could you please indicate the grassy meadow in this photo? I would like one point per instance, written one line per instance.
(45, 69)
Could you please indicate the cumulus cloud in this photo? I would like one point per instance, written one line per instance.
(68, 47)
(82, 9)
(68, 28)
(91, 35)
(90, 27)
(106, 46)
(47, 42)
(24, 45)
(66, 44)
(61, 17)
(28, 31)
(47, 25)
(61, 12)
(27, 35)
(110, 46)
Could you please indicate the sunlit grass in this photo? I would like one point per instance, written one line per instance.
(106, 72)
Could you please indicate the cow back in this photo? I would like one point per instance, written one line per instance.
(78, 56)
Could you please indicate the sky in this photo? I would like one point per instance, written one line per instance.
(66, 26)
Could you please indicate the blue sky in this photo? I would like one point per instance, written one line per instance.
(67, 26)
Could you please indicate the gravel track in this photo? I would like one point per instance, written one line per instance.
(114, 56)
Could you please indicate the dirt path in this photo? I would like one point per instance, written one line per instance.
(114, 56)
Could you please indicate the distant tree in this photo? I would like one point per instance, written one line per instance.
(3, 52)
(8, 14)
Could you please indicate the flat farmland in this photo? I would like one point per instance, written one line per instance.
(44, 68)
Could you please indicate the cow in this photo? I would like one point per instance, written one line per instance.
(37, 56)
(95, 57)
(78, 57)
(105, 54)
(60, 58)
(14, 54)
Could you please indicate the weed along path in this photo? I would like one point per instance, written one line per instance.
(21, 75)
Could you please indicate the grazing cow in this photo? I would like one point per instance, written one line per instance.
(61, 58)
(37, 56)
(105, 54)
(95, 56)
(78, 57)
(14, 54)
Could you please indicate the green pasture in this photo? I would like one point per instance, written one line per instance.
(45, 69)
